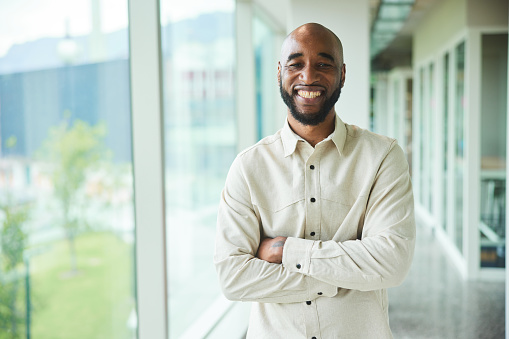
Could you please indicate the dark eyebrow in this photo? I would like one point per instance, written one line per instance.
(327, 56)
(293, 56)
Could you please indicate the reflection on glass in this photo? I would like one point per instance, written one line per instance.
(266, 87)
(458, 145)
(493, 149)
(66, 202)
(200, 144)
(446, 137)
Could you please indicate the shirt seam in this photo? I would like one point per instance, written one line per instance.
(263, 142)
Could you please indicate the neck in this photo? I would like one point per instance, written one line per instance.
(314, 134)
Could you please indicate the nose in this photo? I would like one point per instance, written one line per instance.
(308, 75)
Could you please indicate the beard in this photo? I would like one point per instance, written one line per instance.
(309, 119)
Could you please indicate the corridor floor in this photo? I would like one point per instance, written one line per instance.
(435, 302)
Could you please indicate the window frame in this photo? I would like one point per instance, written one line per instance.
(146, 112)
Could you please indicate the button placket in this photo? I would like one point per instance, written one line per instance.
(312, 188)
(311, 315)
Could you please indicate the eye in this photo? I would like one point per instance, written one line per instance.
(323, 65)
(295, 65)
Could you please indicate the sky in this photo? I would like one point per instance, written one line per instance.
(27, 20)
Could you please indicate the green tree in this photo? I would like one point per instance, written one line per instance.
(72, 152)
(12, 244)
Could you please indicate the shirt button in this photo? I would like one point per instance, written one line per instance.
(308, 302)
(312, 234)
(312, 167)
(298, 266)
(313, 199)
(313, 337)
(320, 293)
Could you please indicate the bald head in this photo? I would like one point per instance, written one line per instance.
(312, 31)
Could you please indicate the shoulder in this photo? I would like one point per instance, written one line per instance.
(268, 145)
(362, 139)
(253, 157)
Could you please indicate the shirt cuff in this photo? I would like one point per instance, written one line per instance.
(297, 254)
(297, 258)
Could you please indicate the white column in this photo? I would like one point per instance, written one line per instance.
(471, 202)
(146, 105)
(245, 75)
(350, 21)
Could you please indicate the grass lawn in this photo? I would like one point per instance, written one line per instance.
(93, 303)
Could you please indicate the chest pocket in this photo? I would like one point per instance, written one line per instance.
(338, 219)
(281, 211)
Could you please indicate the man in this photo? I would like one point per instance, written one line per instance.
(316, 221)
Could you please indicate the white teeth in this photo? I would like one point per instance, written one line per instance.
(309, 95)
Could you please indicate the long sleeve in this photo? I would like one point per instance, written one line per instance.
(242, 276)
(382, 256)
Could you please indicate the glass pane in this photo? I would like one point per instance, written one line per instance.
(422, 139)
(200, 144)
(66, 202)
(431, 138)
(459, 127)
(397, 109)
(388, 26)
(493, 149)
(408, 121)
(446, 139)
(266, 88)
(394, 11)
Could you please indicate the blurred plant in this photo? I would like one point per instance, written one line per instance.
(72, 151)
(11, 141)
(12, 244)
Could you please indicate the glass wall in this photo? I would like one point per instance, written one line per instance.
(66, 201)
(459, 142)
(445, 131)
(493, 149)
(422, 139)
(431, 138)
(199, 146)
(408, 121)
(396, 110)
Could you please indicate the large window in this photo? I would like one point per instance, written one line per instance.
(493, 149)
(199, 146)
(66, 202)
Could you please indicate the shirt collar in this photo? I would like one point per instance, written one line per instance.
(290, 138)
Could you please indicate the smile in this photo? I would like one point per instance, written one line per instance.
(309, 95)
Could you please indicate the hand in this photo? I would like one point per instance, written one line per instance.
(271, 249)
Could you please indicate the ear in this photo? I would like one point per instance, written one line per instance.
(343, 72)
(278, 73)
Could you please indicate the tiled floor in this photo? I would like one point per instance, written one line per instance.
(435, 302)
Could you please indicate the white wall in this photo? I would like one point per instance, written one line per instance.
(245, 76)
(441, 24)
(349, 20)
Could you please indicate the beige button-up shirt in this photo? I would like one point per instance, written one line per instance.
(345, 205)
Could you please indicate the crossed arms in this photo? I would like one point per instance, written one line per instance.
(292, 269)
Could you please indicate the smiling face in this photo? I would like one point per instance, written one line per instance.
(311, 73)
